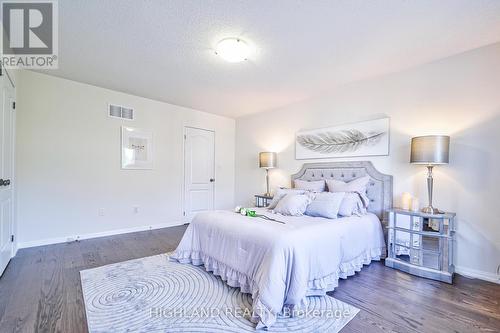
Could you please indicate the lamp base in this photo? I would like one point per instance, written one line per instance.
(431, 210)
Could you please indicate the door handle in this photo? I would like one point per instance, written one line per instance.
(212, 180)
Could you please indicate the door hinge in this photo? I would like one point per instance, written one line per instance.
(184, 213)
(12, 238)
(13, 105)
(185, 136)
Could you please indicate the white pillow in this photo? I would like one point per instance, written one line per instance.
(325, 205)
(355, 201)
(293, 204)
(280, 193)
(314, 186)
(351, 205)
(355, 185)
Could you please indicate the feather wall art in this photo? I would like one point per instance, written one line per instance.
(365, 138)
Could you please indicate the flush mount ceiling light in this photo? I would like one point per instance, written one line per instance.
(233, 49)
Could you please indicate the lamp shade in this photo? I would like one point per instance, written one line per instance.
(430, 149)
(267, 160)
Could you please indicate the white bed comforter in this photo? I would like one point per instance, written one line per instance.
(280, 264)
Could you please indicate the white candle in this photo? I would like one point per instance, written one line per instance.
(415, 204)
(406, 200)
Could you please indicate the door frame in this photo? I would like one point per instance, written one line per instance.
(13, 224)
(184, 138)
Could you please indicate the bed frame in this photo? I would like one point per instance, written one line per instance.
(379, 189)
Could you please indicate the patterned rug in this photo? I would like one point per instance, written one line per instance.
(155, 295)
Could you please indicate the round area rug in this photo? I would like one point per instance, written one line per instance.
(153, 294)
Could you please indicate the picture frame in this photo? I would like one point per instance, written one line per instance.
(136, 148)
(365, 138)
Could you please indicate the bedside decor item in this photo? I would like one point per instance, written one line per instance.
(430, 150)
(406, 200)
(422, 244)
(262, 200)
(267, 160)
(366, 138)
(137, 148)
(415, 204)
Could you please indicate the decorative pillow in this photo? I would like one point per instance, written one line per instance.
(355, 185)
(314, 186)
(355, 201)
(325, 205)
(352, 205)
(293, 204)
(280, 193)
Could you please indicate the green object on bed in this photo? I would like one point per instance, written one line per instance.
(251, 213)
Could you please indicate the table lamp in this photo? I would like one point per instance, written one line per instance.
(430, 150)
(267, 160)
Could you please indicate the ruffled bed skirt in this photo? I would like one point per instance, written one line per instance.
(261, 313)
(319, 287)
(232, 277)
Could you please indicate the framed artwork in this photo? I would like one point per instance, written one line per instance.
(366, 138)
(137, 148)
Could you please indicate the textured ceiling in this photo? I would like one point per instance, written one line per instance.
(164, 49)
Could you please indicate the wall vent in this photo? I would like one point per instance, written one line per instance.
(118, 111)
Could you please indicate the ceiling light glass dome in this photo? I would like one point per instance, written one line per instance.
(233, 49)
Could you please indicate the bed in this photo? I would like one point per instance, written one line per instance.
(281, 264)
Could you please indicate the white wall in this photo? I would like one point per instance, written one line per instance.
(68, 161)
(459, 96)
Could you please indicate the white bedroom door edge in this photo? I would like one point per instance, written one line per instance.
(8, 239)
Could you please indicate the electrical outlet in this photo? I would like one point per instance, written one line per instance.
(136, 209)
(100, 212)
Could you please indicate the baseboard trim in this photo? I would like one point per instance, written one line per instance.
(476, 274)
(57, 240)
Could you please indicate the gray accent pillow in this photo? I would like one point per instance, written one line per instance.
(293, 204)
(314, 185)
(355, 200)
(325, 204)
(355, 185)
(352, 205)
(280, 193)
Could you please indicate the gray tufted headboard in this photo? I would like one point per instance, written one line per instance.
(379, 189)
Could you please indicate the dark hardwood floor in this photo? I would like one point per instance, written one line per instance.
(40, 290)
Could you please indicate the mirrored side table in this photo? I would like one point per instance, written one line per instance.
(422, 244)
(262, 200)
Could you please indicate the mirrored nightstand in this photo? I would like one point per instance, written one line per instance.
(262, 200)
(422, 244)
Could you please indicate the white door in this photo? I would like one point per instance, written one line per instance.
(199, 173)
(6, 170)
